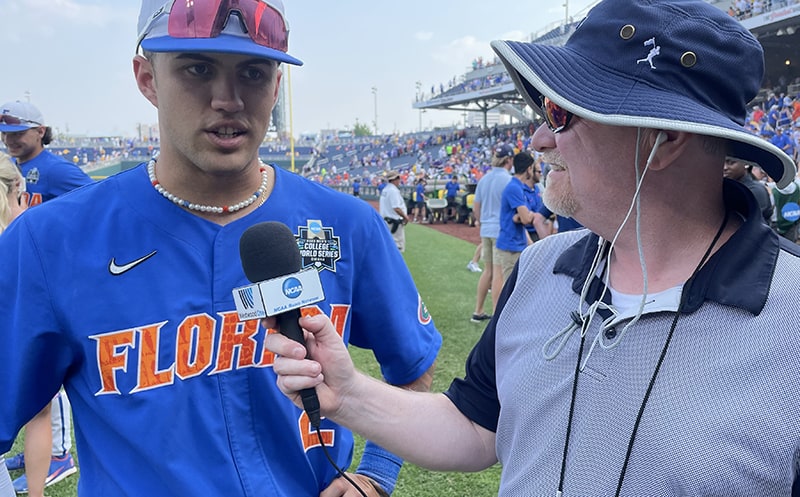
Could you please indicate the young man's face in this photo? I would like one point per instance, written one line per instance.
(214, 109)
(24, 145)
(733, 169)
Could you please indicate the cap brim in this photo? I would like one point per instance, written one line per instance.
(220, 44)
(8, 128)
(562, 74)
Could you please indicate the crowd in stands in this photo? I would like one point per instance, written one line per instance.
(744, 9)
(777, 120)
(470, 82)
(465, 153)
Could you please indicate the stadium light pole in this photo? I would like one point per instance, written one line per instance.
(419, 99)
(291, 116)
(375, 95)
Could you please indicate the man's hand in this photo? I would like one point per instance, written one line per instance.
(329, 369)
(342, 488)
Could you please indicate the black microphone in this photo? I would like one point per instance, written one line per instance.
(269, 250)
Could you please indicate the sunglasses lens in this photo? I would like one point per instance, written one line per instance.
(264, 24)
(10, 120)
(556, 116)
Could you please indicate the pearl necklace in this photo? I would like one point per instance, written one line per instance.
(226, 209)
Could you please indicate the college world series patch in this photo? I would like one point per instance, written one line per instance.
(319, 246)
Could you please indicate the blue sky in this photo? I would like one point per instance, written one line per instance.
(73, 57)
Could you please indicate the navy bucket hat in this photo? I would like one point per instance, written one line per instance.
(681, 65)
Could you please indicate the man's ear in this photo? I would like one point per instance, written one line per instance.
(145, 78)
(664, 147)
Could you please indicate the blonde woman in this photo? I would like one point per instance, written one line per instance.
(12, 203)
(12, 189)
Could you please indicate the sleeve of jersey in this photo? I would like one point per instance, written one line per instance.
(476, 395)
(33, 355)
(68, 178)
(389, 316)
(516, 197)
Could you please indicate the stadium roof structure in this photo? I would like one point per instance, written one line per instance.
(778, 31)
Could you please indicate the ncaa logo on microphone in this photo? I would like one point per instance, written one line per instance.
(292, 288)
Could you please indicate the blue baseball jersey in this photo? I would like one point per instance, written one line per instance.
(127, 302)
(47, 176)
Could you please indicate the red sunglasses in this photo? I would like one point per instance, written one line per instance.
(556, 117)
(262, 22)
(15, 121)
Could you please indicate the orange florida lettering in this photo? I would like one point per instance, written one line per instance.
(192, 354)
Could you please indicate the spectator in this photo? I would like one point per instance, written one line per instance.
(419, 201)
(486, 209)
(472, 265)
(12, 204)
(739, 170)
(787, 210)
(452, 188)
(514, 215)
(393, 209)
(533, 197)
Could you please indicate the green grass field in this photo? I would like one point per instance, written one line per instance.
(437, 263)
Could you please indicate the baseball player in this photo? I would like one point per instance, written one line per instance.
(25, 135)
(47, 176)
(171, 394)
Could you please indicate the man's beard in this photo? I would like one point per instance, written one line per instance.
(559, 196)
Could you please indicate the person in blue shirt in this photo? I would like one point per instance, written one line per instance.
(452, 188)
(48, 439)
(533, 195)
(357, 187)
(25, 135)
(515, 214)
(419, 201)
(545, 227)
(783, 141)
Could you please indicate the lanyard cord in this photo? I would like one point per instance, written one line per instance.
(684, 296)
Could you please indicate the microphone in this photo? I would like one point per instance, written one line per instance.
(268, 251)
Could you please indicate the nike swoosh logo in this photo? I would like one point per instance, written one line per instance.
(116, 270)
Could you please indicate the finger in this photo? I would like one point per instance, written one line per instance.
(284, 346)
(269, 323)
(285, 366)
(292, 385)
(321, 329)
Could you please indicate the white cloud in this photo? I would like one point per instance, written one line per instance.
(461, 51)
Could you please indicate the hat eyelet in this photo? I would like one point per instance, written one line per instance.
(627, 32)
(688, 59)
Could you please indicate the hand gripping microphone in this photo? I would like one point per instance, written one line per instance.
(269, 250)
